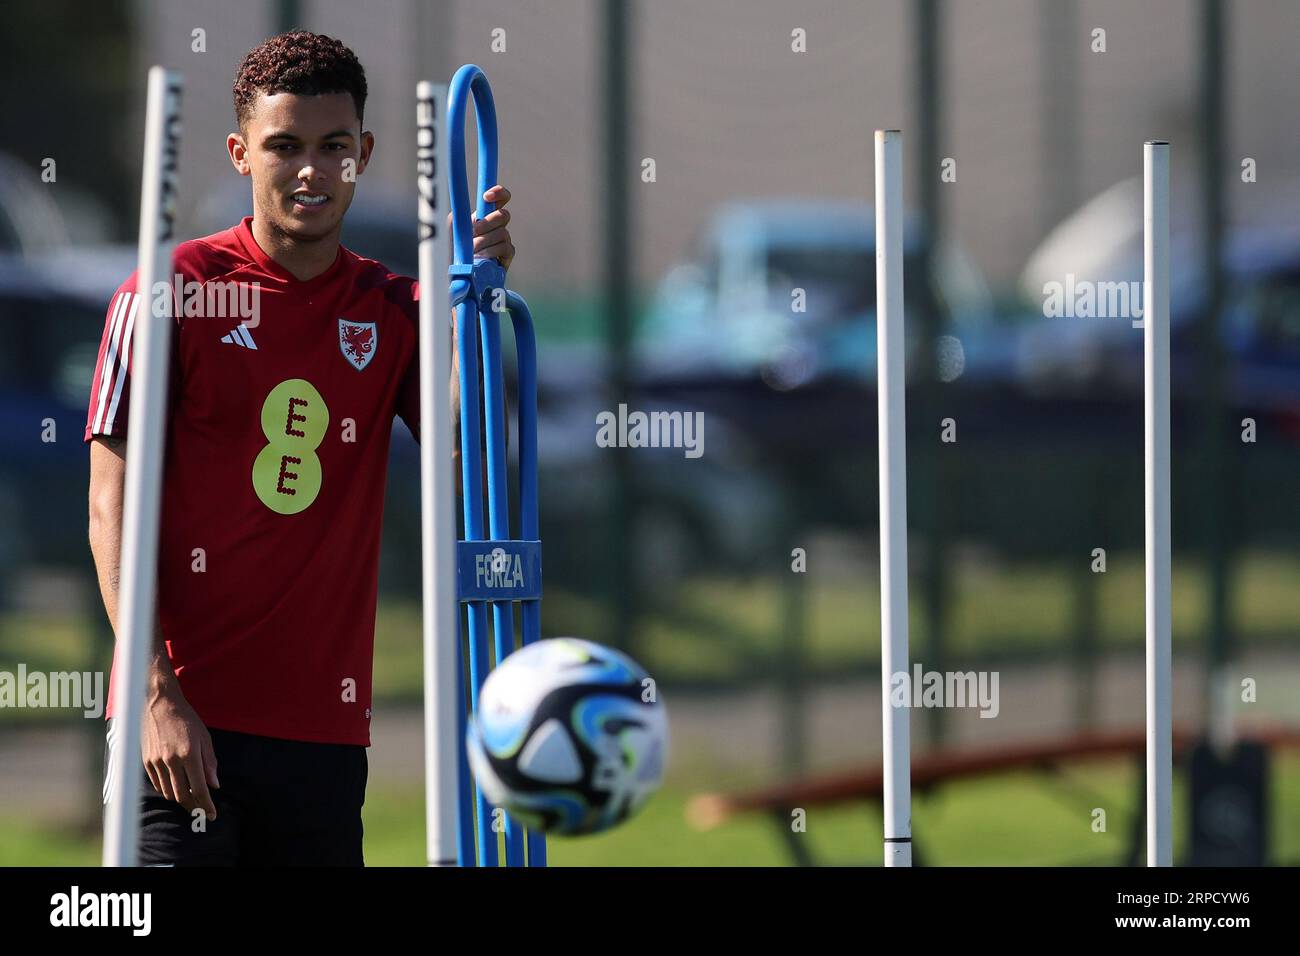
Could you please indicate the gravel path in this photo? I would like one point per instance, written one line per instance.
(717, 741)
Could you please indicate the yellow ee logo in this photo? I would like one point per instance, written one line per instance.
(287, 473)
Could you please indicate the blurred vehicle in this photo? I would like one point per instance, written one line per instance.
(52, 309)
(1102, 243)
(29, 217)
(783, 378)
(35, 219)
(735, 311)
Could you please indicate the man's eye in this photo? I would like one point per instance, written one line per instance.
(333, 145)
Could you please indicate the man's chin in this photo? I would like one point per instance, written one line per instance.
(304, 230)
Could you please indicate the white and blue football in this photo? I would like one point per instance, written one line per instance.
(569, 737)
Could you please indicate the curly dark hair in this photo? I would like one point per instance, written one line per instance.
(299, 62)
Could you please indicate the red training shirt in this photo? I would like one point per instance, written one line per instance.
(273, 482)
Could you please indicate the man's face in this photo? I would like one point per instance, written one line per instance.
(303, 154)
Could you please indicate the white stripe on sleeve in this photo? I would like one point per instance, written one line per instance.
(109, 368)
(126, 362)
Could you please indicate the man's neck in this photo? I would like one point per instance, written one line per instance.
(302, 260)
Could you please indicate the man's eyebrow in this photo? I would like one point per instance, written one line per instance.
(285, 134)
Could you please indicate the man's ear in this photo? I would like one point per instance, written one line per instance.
(367, 147)
(238, 150)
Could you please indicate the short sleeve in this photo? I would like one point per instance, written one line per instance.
(110, 387)
(109, 409)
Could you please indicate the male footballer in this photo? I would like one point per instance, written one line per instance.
(257, 710)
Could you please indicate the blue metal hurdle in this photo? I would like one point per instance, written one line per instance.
(478, 292)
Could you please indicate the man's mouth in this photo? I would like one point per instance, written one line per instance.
(309, 199)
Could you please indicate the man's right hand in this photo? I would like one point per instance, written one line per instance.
(177, 750)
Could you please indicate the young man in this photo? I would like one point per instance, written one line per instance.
(258, 699)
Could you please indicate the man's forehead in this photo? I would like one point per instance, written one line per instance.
(300, 112)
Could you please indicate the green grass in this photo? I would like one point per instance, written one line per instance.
(657, 837)
(716, 628)
(1020, 819)
(46, 641)
(1010, 820)
(22, 844)
(706, 625)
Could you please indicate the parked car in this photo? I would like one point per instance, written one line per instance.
(785, 291)
(52, 309)
(769, 331)
(1102, 243)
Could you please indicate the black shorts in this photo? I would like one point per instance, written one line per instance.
(281, 803)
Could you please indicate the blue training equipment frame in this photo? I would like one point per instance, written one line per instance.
(493, 568)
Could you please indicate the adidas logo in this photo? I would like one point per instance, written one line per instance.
(240, 336)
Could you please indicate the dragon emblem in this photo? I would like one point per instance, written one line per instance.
(357, 342)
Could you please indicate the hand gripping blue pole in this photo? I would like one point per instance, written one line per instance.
(491, 563)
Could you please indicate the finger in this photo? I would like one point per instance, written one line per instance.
(179, 784)
(493, 220)
(497, 194)
(153, 779)
(494, 230)
(210, 764)
(163, 781)
(500, 250)
(198, 786)
(491, 241)
(495, 237)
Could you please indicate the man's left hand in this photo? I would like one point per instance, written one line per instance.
(491, 235)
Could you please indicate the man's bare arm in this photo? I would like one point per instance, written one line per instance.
(107, 491)
(177, 748)
(107, 488)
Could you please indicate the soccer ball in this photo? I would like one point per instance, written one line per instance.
(564, 739)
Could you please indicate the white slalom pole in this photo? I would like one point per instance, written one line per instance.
(1155, 337)
(892, 418)
(148, 364)
(437, 492)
